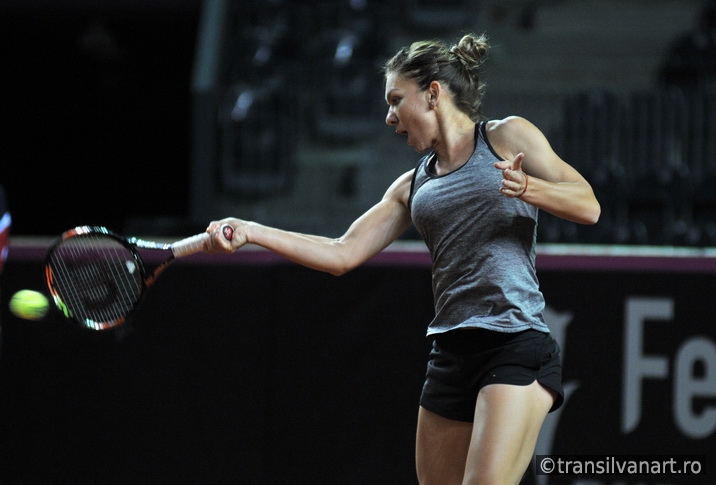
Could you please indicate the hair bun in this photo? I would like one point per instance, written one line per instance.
(471, 50)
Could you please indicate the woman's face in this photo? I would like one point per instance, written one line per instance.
(409, 111)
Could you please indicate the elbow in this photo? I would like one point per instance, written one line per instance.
(338, 271)
(589, 209)
(586, 215)
(592, 215)
(343, 267)
(343, 261)
(340, 268)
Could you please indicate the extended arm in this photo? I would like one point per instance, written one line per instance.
(368, 235)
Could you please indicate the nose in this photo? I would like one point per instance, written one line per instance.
(391, 119)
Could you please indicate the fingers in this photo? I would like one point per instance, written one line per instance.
(226, 236)
(514, 164)
(514, 183)
(212, 226)
(220, 238)
(512, 189)
(517, 162)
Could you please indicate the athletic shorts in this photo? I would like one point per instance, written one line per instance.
(464, 361)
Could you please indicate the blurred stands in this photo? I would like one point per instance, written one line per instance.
(648, 156)
(624, 91)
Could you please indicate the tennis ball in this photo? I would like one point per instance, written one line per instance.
(30, 305)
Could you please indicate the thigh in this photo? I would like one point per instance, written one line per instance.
(507, 422)
(441, 449)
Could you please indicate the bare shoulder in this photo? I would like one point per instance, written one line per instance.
(512, 135)
(512, 126)
(399, 190)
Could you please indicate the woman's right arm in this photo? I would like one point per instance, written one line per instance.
(367, 236)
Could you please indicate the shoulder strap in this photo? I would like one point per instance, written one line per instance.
(416, 171)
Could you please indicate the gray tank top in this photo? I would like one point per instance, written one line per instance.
(482, 246)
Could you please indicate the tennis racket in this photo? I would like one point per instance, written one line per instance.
(97, 277)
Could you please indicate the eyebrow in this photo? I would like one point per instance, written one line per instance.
(389, 93)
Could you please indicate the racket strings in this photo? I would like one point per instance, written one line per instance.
(97, 278)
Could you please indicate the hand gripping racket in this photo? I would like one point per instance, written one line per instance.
(97, 277)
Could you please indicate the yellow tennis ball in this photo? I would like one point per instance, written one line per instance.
(30, 305)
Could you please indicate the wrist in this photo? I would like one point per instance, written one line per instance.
(250, 230)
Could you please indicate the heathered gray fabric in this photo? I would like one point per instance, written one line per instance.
(482, 246)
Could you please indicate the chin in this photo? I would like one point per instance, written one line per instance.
(421, 149)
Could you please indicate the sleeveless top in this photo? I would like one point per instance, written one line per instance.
(482, 245)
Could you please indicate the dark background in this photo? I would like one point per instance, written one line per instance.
(95, 130)
(240, 370)
(284, 376)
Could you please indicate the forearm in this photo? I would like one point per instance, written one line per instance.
(315, 252)
(573, 201)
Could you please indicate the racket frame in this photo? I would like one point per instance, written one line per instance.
(132, 244)
(183, 247)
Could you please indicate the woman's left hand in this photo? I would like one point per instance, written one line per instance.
(514, 180)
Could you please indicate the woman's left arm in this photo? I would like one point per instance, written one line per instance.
(533, 172)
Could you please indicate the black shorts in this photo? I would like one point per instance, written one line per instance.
(464, 361)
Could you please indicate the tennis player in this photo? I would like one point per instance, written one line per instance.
(494, 371)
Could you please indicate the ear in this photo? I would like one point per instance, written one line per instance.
(433, 93)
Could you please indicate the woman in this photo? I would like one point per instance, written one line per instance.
(494, 371)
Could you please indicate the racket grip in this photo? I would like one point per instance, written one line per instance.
(193, 244)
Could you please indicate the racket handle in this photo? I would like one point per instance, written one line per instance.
(189, 245)
(193, 244)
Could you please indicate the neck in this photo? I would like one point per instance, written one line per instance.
(456, 151)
